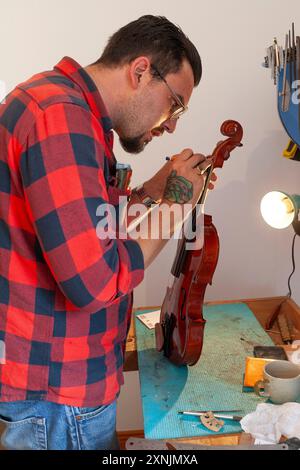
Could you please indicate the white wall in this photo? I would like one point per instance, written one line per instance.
(231, 36)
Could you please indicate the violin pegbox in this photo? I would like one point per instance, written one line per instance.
(211, 422)
(234, 133)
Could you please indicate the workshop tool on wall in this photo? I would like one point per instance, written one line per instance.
(292, 151)
(179, 334)
(298, 73)
(286, 88)
(285, 72)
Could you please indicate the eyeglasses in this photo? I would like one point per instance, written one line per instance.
(180, 108)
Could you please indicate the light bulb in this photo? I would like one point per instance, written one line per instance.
(277, 209)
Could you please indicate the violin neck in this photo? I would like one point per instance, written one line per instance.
(181, 251)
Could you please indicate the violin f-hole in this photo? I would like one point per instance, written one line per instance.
(182, 315)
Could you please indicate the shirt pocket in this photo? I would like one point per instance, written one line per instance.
(118, 198)
(26, 434)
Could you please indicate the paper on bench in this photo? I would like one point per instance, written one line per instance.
(150, 319)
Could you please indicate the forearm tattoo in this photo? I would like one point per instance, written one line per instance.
(178, 189)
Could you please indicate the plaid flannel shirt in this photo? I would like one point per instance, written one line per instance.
(65, 295)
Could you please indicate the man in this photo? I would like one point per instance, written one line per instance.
(66, 294)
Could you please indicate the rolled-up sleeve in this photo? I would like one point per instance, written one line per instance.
(63, 172)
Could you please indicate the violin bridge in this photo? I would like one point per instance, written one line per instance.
(211, 422)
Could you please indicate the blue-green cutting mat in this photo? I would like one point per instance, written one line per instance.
(215, 383)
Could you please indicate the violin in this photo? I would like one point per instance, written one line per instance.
(179, 333)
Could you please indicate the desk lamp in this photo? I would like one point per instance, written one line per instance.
(280, 210)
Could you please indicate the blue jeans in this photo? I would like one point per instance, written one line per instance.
(42, 425)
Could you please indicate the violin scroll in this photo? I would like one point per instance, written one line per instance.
(234, 131)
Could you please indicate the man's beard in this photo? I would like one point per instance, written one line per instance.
(134, 144)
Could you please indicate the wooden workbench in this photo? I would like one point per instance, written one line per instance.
(262, 309)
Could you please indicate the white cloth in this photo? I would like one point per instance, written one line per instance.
(269, 422)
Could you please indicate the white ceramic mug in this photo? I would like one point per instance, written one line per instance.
(281, 382)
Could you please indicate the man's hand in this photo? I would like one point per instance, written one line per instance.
(179, 180)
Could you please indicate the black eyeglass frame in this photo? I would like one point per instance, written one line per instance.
(182, 107)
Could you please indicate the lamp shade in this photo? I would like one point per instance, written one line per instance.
(279, 209)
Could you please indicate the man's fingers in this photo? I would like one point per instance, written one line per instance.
(213, 179)
(196, 160)
(184, 155)
(203, 165)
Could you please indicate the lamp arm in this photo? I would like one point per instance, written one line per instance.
(296, 224)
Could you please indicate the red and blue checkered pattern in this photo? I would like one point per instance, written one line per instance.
(65, 295)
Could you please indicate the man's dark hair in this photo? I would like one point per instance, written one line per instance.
(154, 36)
